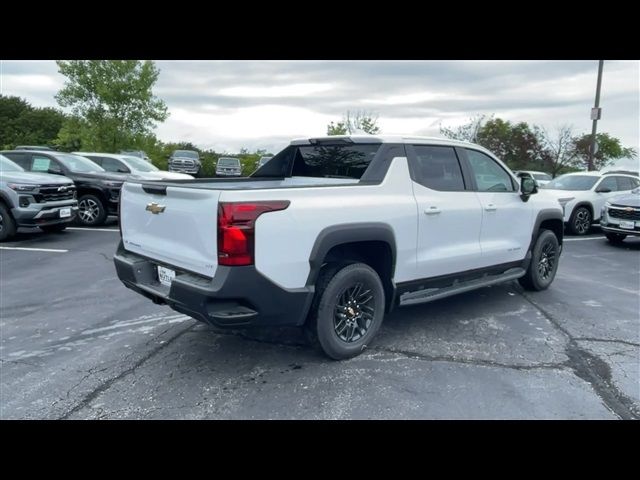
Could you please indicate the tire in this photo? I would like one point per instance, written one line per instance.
(54, 228)
(7, 224)
(544, 262)
(580, 221)
(347, 310)
(615, 238)
(91, 211)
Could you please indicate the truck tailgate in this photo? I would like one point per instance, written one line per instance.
(183, 234)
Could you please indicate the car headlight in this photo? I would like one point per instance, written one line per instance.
(110, 184)
(22, 187)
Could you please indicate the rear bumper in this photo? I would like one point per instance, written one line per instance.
(234, 297)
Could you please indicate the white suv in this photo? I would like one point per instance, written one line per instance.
(583, 194)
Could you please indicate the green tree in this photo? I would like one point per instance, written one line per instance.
(609, 149)
(113, 98)
(352, 122)
(20, 123)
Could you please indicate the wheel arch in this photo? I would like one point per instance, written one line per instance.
(547, 219)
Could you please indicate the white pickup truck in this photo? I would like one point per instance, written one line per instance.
(333, 232)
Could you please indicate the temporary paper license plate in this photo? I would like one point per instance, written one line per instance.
(66, 212)
(166, 275)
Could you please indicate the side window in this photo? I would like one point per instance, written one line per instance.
(113, 165)
(625, 183)
(610, 183)
(21, 159)
(41, 163)
(97, 160)
(489, 175)
(438, 168)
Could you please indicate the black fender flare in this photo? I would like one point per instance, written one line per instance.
(5, 198)
(348, 233)
(543, 215)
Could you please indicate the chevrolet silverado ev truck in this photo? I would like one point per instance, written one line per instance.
(333, 232)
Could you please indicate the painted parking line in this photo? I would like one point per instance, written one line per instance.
(54, 250)
(94, 229)
(582, 239)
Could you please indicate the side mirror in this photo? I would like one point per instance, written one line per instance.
(603, 190)
(123, 170)
(527, 187)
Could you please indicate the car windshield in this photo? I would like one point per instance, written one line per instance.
(186, 154)
(572, 182)
(79, 164)
(7, 165)
(229, 162)
(140, 165)
(541, 176)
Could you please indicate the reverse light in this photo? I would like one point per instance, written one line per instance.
(236, 229)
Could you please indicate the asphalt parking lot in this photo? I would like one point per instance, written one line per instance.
(76, 344)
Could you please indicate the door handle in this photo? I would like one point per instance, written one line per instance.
(432, 211)
(491, 208)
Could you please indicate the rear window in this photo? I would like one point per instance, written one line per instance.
(333, 161)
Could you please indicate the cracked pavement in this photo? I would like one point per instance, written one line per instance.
(76, 344)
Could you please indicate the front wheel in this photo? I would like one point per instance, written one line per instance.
(7, 224)
(348, 309)
(580, 221)
(615, 238)
(544, 262)
(91, 211)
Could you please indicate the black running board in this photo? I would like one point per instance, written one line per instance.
(430, 294)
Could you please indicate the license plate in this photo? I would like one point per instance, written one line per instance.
(166, 275)
(65, 212)
(625, 224)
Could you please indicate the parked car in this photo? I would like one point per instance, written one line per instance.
(98, 191)
(185, 161)
(228, 167)
(620, 216)
(136, 153)
(34, 147)
(540, 178)
(583, 194)
(335, 231)
(34, 200)
(112, 162)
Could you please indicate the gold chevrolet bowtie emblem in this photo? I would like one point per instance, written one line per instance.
(155, 208)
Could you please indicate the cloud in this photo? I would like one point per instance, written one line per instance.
(234, 104)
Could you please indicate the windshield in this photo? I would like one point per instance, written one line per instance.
(541, 176)
(229, 162)
(186, 154)
(572, 182)
(7, 165)
(139, 165)
(79, 164)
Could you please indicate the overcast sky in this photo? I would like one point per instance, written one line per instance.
(226, 105)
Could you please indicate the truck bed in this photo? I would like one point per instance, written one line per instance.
(253, 183)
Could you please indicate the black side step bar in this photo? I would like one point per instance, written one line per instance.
(430, 294)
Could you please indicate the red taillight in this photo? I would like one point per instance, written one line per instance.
(236, 229)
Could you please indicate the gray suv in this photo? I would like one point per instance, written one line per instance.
(185, 161)
(228, 167)
(34, 200)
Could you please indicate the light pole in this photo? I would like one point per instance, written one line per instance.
(596, 113)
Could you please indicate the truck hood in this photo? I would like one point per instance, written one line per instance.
(35, 178)
(562, 193)
(626, 200)
(116, 177)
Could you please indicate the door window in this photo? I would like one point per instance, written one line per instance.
(489, 175)
(438, 168)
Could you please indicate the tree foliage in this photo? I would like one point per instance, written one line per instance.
(609, 149)
(20, 123)
(355, 122)
(113, 99)
(467, 132)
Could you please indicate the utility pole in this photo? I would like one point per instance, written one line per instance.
(596, 113)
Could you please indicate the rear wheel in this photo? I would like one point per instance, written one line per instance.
(54, 228)
(91, 211)
(544, 262)
(7, 224)
(347, 311)
(615, 238)
(580, 221)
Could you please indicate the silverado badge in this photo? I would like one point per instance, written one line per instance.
(155, 208)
